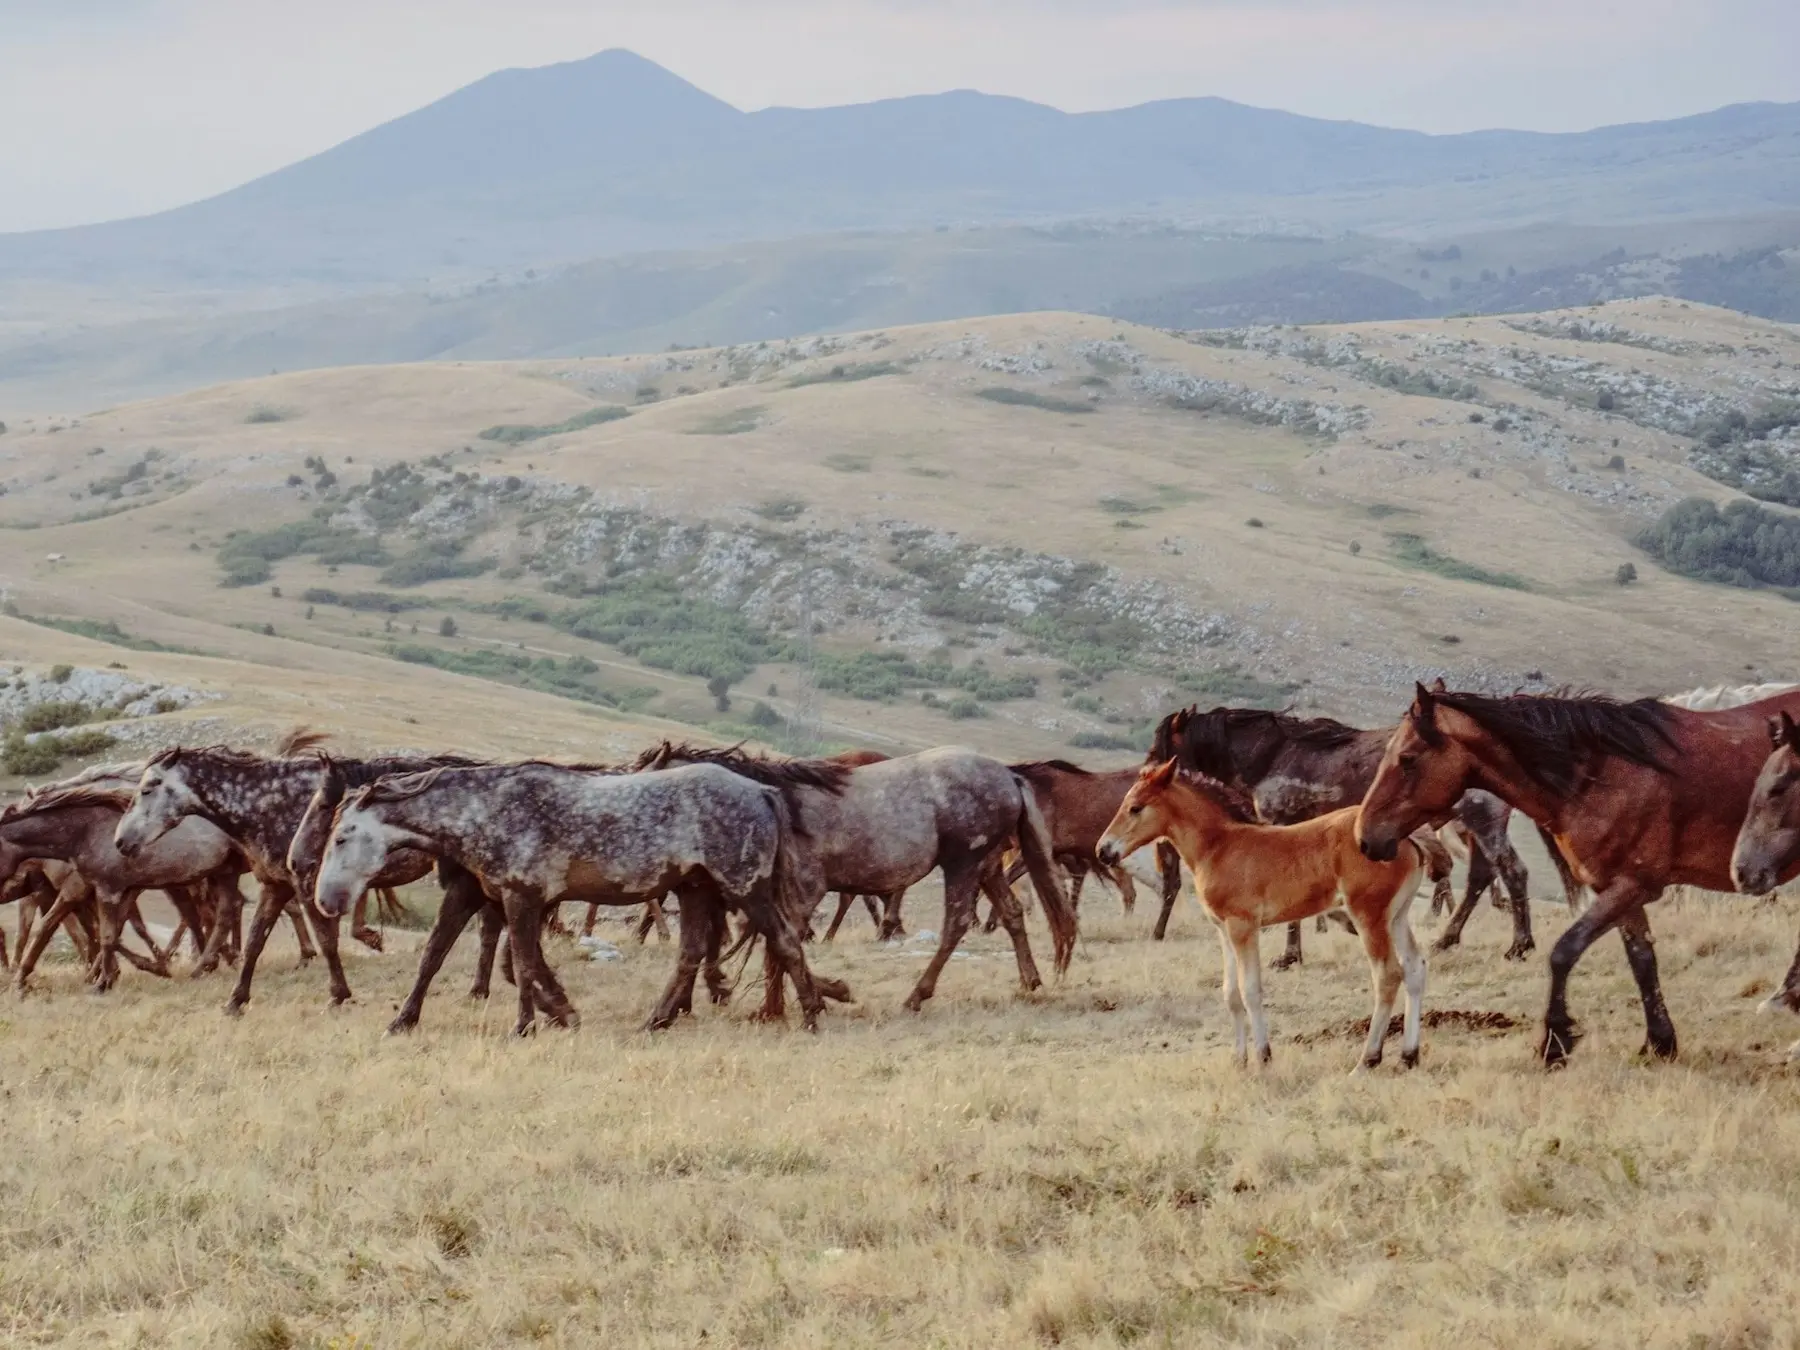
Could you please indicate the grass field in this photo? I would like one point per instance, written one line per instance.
(1084, 1167)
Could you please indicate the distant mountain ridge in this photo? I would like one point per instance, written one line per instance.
(613, 153)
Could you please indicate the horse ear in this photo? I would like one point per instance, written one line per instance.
(1162, 775)
(1423, 698)
(1438, 686)
(1788, 733)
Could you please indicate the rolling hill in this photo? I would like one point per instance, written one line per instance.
(1036, 532)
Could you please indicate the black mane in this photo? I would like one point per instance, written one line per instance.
(786, 774)
(1554, 736)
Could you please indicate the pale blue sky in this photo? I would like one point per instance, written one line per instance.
(114, 107)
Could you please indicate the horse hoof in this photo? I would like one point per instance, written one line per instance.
(400, 1026)
(1520, 950)
(1785, 1000)
(1285, 962)
(1409, 1059)
(1449, 941)
(234, 1009)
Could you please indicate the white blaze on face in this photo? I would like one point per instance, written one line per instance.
(163, 799)
(358, 849)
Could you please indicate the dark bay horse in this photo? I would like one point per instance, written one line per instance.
(1638, 796)
(1768, 842)
(1297, 768)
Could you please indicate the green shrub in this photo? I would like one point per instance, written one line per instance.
(734, 422)
(246, 556)
(53, 716)
(60, 673)
(1103, 740)
(1743, 545)
(100, 630)
(45, 754)
(781, 508)
(846, 374)
(518, 435)
(426, 565)
(1026, 398)
(664, 625)
(1410, 550)
(963, 709)
(263, 413)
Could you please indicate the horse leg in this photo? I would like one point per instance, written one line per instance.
(696, 925)
(359, 924)
(1006, 905)
(1293, 956)
(325, 929)
(593, 916)
(1640, 951)
(135, 917)
(276, 896)
(782, 934)
(493, 922)
(1481, 876)
(524, 924)
(1233, 996)
(845, 900)
(891, 926)
(1168, 870)
(1517, 881)
(718, 988)
(1247, 941)
(302, 934)
(227, 910)
(960, 880)
(1386, 974)
(1127, 886)
(66, 900)
(654, 912)
(1611, 906)
(463, 898)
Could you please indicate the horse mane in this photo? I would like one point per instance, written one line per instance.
(786, 774)
(62, 797)
(358, 773)
(1554, 735)
(300, 739)
(1235, 802)
(404, 786)
(1042, 768)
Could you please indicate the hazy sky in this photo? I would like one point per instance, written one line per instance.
(115, 107)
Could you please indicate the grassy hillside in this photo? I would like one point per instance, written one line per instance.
(1034, 532)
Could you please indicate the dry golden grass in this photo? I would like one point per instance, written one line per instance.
(1082, 1168)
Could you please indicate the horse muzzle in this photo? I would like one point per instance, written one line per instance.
(1377, 849)
(332, 901)
(1108, 853)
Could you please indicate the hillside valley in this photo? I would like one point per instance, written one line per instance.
(1035, 533)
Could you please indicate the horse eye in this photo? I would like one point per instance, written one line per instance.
(1137, 810)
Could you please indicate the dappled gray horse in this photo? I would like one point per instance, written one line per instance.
(258, 801)
(463, 899)
(538, 834)
(876, 829)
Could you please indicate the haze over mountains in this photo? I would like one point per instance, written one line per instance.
(614, 154)
(516, 218)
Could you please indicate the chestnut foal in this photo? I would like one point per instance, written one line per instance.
(1249, 876)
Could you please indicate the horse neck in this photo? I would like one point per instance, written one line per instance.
(57, 833)
(1196, 825)
(1349, 767)
(1496, 771)
(425, 815)
(258, 804)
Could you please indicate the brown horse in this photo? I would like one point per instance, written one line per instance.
(1077, 805)
(1638, 796)
(1250, 876)
(1768, 843)
(1297, 768)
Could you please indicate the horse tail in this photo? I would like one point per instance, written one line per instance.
(391, 907)
(784, 882)
(1034, 847)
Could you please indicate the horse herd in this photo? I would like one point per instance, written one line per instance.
(1278, 818)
